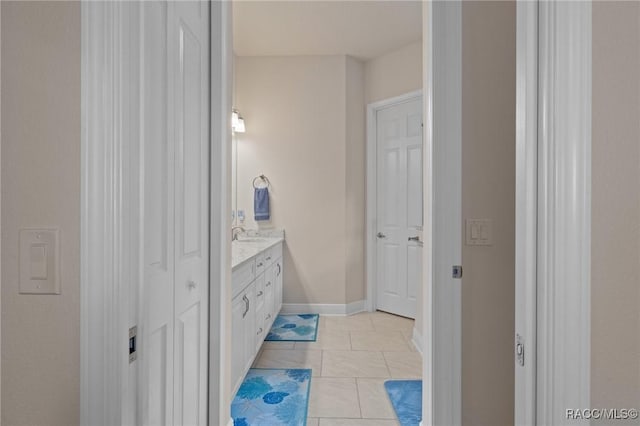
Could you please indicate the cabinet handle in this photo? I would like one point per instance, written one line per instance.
(279, 269)
(260, 264)
(246, 304)
(268, 258)
(260, 293)
(268, 283)
(259, 331)
(268, 316)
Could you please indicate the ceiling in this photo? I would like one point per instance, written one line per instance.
(363, 29)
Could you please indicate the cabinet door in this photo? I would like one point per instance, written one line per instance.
(279, 268)
(269, 296)
(249, 327)
(238, 313)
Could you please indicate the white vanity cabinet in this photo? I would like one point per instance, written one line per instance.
(257, 299)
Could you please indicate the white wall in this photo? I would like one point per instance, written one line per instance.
(41, 188)
(615, 215)
(296, 111)
(394, 73)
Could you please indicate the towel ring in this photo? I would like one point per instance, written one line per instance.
(264, 180)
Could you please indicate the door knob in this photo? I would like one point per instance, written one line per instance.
(381, 235)
(416, 238)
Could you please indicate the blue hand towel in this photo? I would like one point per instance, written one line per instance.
(261, 203)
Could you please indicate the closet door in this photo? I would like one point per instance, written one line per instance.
(175, 136)
(188, 62)
(156, 331)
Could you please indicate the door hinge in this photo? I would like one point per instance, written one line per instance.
(520, 350)
(133, 350)
(456, 271)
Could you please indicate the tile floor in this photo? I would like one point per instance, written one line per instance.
(351, 359)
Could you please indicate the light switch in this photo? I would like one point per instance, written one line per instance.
(479, 232)
(39, 261)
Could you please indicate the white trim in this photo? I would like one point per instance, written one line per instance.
(0, 217)
(371, 193)
(564, 210)
(526, 209)
(220, 202)
(324, 309)
(106, 216)
(416, 339)
(442, 73)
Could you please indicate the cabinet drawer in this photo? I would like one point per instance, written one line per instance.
(242, 277)
(260, 265)
(260, 328)
(259, 292)
(269, 257)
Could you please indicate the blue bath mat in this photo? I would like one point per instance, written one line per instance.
(272, 397)
(406, 398)
(294, 328)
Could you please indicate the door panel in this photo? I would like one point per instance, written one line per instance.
(157, 377)
(157, 330)
(414, 186)
(399, 206)
(190, 139)
(188, 353)
(189, 62)
(173, 328)
(414, 255)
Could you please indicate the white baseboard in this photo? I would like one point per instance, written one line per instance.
(324, 309)
(417, 340)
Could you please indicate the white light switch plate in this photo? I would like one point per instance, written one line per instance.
(39, 261)
(479, 232)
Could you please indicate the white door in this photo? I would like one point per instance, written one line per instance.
(399, 207)
(173, 330)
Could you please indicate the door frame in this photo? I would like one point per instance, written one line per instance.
(526, 210)
(221, 74)
(371, 190)
(441, 298)
(553, 229)
(108, 252)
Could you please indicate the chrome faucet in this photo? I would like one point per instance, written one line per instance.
(234, 234)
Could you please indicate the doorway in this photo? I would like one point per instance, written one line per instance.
(395, 201)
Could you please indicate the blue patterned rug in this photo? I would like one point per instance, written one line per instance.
(294, 328)
(272, 397)
(406, 398)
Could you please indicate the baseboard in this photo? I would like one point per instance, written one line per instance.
(324, 309)
(230, 422)
(416, 339)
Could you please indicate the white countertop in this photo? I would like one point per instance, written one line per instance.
(247, 247)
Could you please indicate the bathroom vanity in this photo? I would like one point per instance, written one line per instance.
(256, 298)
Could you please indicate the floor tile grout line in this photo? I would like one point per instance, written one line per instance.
(358, 395)
(387, 364)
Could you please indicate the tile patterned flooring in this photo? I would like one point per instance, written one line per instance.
(351, 359)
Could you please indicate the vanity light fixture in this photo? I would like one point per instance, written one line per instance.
(237, 122)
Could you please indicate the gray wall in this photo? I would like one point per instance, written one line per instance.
(41, 188)
(615, 215)
(488, 191)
